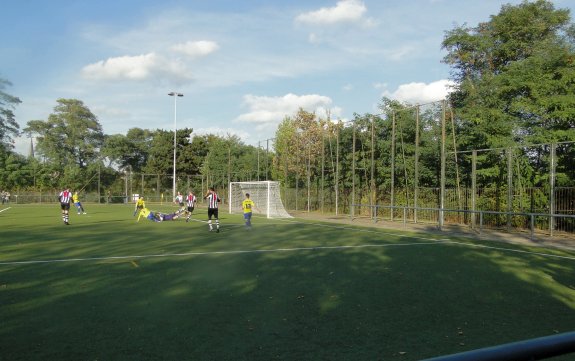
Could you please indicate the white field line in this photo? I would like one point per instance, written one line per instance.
(5, 209)
(187, 254)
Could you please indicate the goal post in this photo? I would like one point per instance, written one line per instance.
(265, 194)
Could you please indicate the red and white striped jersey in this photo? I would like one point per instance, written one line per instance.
(213, 200)
(65, 196)
(191, 199)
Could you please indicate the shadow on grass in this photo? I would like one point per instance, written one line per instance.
(402, 300)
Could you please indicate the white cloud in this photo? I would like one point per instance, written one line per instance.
(272, 110)
(195, 49)
(222, 132)
(420, 93)
(139, 67)
(344, 11)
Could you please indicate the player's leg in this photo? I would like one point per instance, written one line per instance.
(66, 214)
(62, 212)
(210, 214)
(217, 220)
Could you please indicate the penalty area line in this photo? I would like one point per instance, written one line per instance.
(5, 209)
(188, 254)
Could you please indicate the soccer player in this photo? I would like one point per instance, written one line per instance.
(191, 201)
(247, 206)
(170, 216)
(213, 201)
(146, 213)
(64, 198)
(179, 200)
(77, 203)
(140, 204)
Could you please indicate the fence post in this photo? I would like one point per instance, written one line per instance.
(353, 171)
(473, 187)
(532, 226)
(404, 216)
(442, 181)
(416, 167)
(509, 187)
(392, 178)
(552, 166)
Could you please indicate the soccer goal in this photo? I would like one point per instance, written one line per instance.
(265, 194)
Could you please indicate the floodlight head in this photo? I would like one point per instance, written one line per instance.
(175, 94)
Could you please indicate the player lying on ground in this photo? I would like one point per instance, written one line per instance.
(170, 216)
(158, 216)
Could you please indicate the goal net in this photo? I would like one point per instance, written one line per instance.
(265, 194)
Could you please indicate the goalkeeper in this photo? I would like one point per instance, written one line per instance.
(247, 206)
(146, 213)
(140, 204)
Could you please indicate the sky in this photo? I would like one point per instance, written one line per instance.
(242, 66)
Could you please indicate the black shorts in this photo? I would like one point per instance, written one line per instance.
(190, 209)
(64, 206)
(212, 212)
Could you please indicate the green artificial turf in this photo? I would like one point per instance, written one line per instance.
(109, 288)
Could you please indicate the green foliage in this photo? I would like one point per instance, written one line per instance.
(130, 150)
(8, 125)
(71, 135)
(515, 81)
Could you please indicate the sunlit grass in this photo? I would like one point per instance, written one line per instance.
(110, 288)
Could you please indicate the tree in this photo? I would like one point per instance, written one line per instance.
(514, 79)
(130, 150)
(8, 125)
(72, 134)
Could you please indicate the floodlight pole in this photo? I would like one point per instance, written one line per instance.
(175, 95)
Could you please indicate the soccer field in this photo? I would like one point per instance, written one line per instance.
(109, 288)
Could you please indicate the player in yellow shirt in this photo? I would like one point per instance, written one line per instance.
(77, 203)
(248, 205)
(146, 213)
(139, 205)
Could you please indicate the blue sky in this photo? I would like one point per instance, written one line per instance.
(241, 65)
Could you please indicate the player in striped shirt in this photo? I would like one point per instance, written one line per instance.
(191, 201)
(64, 198)
(213, 201)
(179, 200)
